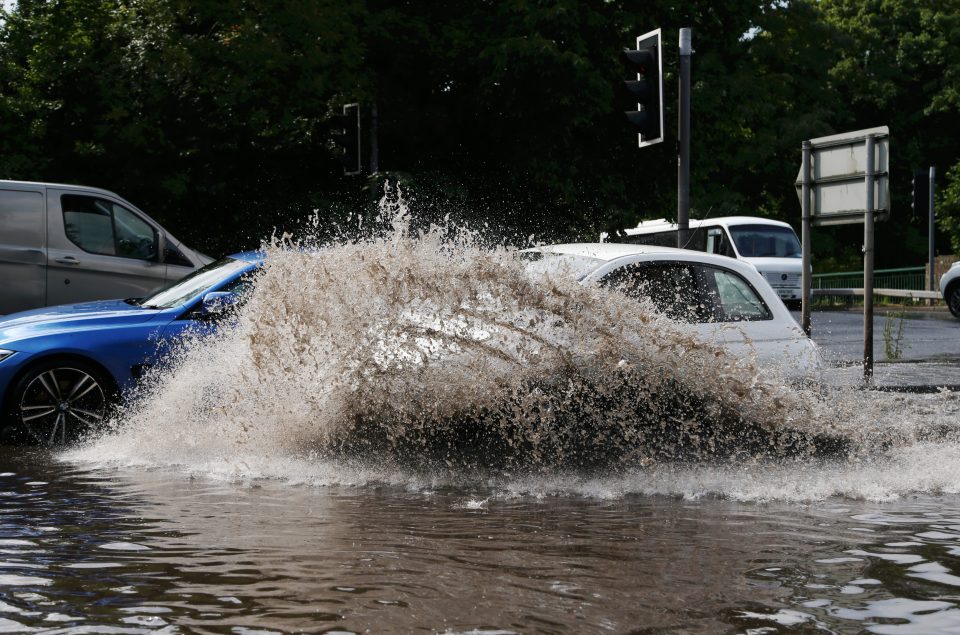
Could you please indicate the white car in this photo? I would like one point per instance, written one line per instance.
(950, 287)
(726, 301)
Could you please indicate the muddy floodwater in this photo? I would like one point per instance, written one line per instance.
(413, 432)
(133, 550)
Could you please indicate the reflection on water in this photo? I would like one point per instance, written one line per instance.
(131, 550)
(325, 466)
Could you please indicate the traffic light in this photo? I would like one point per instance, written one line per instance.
(346, 137)
(920, 196)
(647, 89)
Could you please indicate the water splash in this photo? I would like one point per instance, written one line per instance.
(426, 351)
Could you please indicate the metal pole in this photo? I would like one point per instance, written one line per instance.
(374, 139)
(931, 232)
(805, 200)
(868, 254)
(683, 161)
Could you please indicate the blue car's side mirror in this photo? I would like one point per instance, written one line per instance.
(218, 302)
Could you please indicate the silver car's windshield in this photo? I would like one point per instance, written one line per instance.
(546, 263)
(194, 283)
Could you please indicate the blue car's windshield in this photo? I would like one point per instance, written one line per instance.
(196, 282)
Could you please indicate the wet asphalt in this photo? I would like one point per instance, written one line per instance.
(913, 350)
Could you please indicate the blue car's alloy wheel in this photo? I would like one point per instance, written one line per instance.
(56, 403)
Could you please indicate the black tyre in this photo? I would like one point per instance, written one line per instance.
(56, 402)
(952, 296)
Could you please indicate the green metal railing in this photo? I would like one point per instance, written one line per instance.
(904, 279)
(911, 278)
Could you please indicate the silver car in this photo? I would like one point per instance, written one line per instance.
(724, 301)
(950, 288)
(61, 244)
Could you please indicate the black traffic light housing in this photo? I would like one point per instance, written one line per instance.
(346, 137)
(647, 89)
(920, 194)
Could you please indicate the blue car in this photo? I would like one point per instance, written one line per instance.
(62, 367)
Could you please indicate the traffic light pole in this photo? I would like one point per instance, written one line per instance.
(931, 232)
(374, 139)
(683, 160)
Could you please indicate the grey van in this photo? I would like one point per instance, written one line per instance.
(61, 244)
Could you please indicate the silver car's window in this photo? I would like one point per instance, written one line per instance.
(690, 292)
(100, 226)
(194, 284)
(674, 288)
(737, 298)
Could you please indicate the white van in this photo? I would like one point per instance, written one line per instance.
(769, 245)
(61, 244)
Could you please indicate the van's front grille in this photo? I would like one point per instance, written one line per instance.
(781, 280)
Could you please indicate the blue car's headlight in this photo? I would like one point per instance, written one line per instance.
(4, 353)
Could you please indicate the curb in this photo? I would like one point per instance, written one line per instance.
(912, 313)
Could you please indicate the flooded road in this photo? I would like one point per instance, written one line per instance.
(127, 550)
(424, 437)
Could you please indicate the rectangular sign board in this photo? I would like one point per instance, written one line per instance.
(838, 173)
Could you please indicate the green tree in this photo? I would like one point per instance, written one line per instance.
(213, 116)
(898, 63)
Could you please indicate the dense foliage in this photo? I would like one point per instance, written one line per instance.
(215, 116)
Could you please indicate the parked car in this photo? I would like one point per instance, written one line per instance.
(60, 367)
(950, 287)
(69, 243)
(769, 245)
(725, 300)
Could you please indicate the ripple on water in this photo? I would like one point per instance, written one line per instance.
(7, 579)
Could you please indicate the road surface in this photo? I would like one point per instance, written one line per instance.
(917, 349)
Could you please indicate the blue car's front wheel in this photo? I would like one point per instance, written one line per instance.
(58, 401)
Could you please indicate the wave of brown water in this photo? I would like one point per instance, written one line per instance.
(427, 352)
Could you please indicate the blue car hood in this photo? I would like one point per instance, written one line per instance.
(59, 319)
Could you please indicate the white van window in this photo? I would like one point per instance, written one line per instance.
(716, 242)
(765, 241)
(100, 226)
(660, 239)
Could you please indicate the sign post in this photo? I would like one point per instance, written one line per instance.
(845, 179)
(868, 260)
(931, 232)
(805, 275)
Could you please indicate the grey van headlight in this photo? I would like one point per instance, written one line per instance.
(4, 353)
